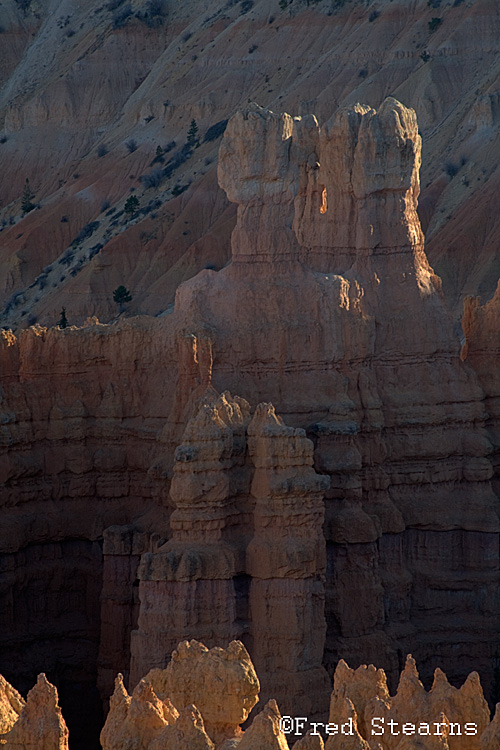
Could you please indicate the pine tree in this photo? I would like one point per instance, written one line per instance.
(63, 323)
(121, 295)
(27, 201)
(131, 204)
(192, 133)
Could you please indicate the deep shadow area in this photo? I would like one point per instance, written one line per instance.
(50, 622)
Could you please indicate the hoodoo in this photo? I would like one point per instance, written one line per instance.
(342, 503)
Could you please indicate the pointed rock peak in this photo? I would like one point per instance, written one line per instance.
(40, 724)
(265, 731)
(119, 693)
(235, 409)
(190, 718)
(343, 675)
(440, 684)
(144, 692)
(472, 686)
(410, 666)
(439, 676)
(11, 705)
(409, 681)
(264, 419)
(44, 693)
(310, 742)
(490, 738)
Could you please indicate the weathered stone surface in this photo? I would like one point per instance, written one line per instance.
(135, 720)
(221, 683)
(310, 742)
(316, 314)
(11, 705)
(265, 731)
(286, 562)
(188, 733)
(40, 725)
(490, 738)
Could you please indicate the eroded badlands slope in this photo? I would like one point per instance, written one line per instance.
(91, 90)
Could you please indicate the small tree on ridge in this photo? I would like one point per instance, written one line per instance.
(121, 295)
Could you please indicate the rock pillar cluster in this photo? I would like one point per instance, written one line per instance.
(247, 553)
(204, 696)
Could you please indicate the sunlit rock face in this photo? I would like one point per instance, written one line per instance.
(204, 696)
(296, 456)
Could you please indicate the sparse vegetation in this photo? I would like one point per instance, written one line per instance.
(27, 204)
(425, 56)
(178, 189)
(435, 23)
(252, 48)
(102, 150)
(24, 5)
(246, 5)
(152, 179)
(451, 169)
(363, 73)
(192, 136)
(105, 205)
(131, 205)
(3, 139)
(154, 14)
(64, 219)
(86, 232)
(121, 295)
(63, 321)
(121, 16)
(131, 145)
(373, 16)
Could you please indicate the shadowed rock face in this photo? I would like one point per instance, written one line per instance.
(354, 516)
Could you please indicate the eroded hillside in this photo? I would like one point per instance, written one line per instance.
(97, 101)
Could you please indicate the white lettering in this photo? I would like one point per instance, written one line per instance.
(350, 727)
(408, 728)
(332, 728)
(316, 724)
(438, 724)
(470, 728)
(379, 725)
(300, 722)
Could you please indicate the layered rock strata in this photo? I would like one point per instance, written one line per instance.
(398, 422)
(226, 573)
(330, 311)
